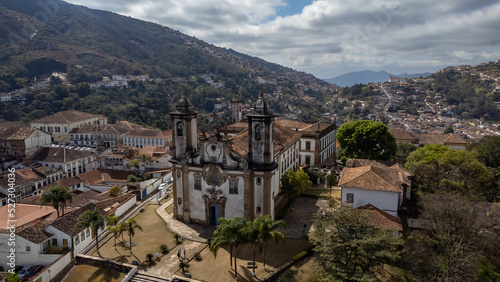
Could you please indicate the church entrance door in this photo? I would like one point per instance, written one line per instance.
(214, 210)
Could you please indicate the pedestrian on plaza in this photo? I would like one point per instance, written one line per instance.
(185, 253)
(179, 254)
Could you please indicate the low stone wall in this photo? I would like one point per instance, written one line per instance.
(100, 262)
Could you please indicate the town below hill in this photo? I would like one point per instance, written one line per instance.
(369, 76)
(462, 99)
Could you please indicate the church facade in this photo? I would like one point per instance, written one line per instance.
(220, 175)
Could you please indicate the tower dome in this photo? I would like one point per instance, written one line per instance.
(260, 107)
(184, 105)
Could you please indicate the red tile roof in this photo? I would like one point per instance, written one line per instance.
(372, 178)
(380, 219)
(99, 176)
(25, 214)
(59, 155)
(67, 222)
(66, 117)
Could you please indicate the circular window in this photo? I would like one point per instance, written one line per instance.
(213, 147)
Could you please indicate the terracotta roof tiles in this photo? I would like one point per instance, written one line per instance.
(66, 117)
(371, 178)
(34, 232)
(59, 155)
(67, 222)
(380, 219)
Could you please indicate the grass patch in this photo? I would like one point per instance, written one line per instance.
(84, 272)
(170, 209)
(305, 270)
(146, 242)
(166, 199)
(218, 268)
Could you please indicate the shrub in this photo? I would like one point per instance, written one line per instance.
(150, 258)
(197, 256)
(164, 249)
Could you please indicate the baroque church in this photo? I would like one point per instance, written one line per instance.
(219, 174)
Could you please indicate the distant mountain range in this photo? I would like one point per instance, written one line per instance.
(368, 76)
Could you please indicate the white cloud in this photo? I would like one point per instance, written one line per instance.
(331, 37)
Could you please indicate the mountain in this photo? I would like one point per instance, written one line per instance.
(368, 76)
(37, 38)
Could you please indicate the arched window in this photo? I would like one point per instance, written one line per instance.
(179, 128)
(258, 132)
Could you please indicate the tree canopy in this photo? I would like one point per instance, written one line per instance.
(366, 139)
(57, 196)
(438, 168)
(93, 219)
(488, 151)
(458, 242)
(350, 248)
(293, 183)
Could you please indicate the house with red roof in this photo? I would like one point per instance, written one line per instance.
(385, 185)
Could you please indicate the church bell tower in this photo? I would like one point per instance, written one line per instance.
(236, 105)
(184, 127)
(260, 134)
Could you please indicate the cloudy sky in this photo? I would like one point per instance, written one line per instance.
(332, 37)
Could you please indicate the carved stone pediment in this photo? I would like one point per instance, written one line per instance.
(212, 175)
(213, 193)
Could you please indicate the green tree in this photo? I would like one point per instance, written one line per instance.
(488, 151)
(134, 164)
(253, 233)
(132, 178)
(448, 130)
(130, 226)
(404, 150)
(350, 248)
(57, 196)
(115, 230)
(438, 168)
(268, 231)
(331, 180)
(230, 233)
(93, 219)
(13, 278)
(115, 191)
(293, 183)
(366, 139)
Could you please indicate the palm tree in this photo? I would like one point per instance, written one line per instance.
(93, 219)
(57, 196)
(267, 230)
(130, 226)
(231, 233)
(116, 230)
(253, 233)
(112, 220)
(66, 196)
